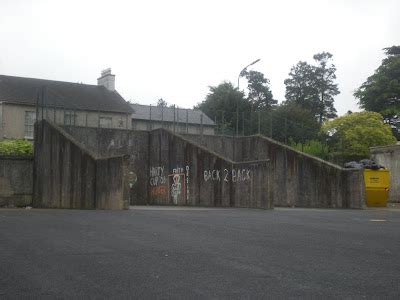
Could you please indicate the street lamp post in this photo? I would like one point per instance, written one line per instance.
(241, 74)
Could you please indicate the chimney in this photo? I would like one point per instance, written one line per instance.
(107, 80)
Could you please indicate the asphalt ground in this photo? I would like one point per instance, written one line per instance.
(180, 253)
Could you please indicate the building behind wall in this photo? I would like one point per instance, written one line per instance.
(147, 117)
(64, 103)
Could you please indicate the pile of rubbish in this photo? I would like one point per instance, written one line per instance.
(363, 164)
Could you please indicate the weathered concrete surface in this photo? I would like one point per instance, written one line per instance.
(224, 171)
(185, 174)
(111, 142)
(298, 179)
(172, 170)
(68, 176)
(16, 181)
(389, 157)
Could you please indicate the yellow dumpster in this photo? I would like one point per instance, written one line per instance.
(377, 183)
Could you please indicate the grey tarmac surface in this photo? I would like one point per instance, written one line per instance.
(180, 253)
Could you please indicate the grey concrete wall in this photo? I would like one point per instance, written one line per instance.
(299, 179)
(389, 157)
(205, 179)
(179, 127)
(185, 174)
(111, 142)
(16, 181)
(66, 175)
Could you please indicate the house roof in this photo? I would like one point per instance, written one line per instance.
(68, 95)
(166, 114)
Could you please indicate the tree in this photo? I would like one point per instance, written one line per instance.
(381, 91)
(300, 87)
(260, 95)
(327, 89)
(313, 87)
(162, 103)
(220, 104)
(291, 121)
(351, 136)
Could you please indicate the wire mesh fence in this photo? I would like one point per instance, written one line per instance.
(273, 124)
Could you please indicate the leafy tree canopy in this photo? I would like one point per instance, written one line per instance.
(162, 103)
(313, 86)
(260, 95)
(293, 122)
(381, 91)
(352, 135)
(221, 102)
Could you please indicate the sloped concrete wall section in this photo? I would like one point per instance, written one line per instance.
(298, 179)
(183, 173)
(116, 142)
(68, 176)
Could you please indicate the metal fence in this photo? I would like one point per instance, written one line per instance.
(271, 124)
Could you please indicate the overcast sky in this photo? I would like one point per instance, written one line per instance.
(176, 49)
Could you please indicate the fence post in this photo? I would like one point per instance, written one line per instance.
(270, 124)
(259, 122)
(177, 120)
(173, 123)
(187, 120)
(151, 123)
(37, 107)
(286, 130)
(222, 122)
(162, 116)
(43, 94)
(201, 125)
(237, 123)
(243, 123)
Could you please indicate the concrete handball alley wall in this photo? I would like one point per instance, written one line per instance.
(298, 179)
(66, 175)
(110, 142)
(183, 173)
(172, 170)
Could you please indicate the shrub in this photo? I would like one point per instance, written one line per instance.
(16, 148)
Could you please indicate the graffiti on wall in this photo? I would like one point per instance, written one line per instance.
(158, 191)
(157, 176)
(187, 184)
(179, 185)
(234, 175)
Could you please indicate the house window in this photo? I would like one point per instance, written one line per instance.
(105, 122)
(30, 117)
(69, 118)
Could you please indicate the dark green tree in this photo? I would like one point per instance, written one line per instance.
(292, 122)
(381, 92)
(162, 103)
(313, 86)
(325, 85)
(260, 95)
(220, 104)
(300, 87)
